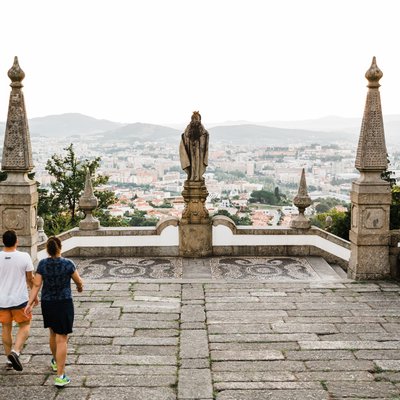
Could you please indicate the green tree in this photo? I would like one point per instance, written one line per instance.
(322, 205)
(139, 219)
(388, 176)
(277, 194)
(263, 197)
(59, 205)
(340, 222)
(266, 197)
(237, 220)
(395, 208)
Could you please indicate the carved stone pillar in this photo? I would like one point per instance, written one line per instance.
(370, 195)
(18, 193)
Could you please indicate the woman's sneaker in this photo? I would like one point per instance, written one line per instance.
(9, 366)
(53, 365)
(62, 380)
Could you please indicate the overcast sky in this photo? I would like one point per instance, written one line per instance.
(156, 61)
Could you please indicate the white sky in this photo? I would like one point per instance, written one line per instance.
(156, 61)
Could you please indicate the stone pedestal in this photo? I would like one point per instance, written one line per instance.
(195, 240)
(300, 222)
(195, 229)
(195, 195)
(369, 234)
(18, 208)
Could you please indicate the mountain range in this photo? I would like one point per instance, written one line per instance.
(327, 130)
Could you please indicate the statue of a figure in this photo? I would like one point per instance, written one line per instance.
(193, 149)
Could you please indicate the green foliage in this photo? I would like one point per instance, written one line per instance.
(139, 219)
(267, 197)
(388, 177)
(165, 204)
(59, 205)
(230, 176)
(58, 223)
(106, 219)
(395, 208)
(237, 220)
(340, 222)
(322, 205)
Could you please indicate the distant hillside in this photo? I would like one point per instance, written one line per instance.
(341, 124)
(235, 134)
(66, 125)
(326, 124)
(324, 130)
(143, 133)
(251, 134)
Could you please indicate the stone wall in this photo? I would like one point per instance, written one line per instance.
(228, 240)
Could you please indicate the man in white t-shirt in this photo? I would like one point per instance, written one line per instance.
(16, 274)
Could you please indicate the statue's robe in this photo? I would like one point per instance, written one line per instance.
(194, 154)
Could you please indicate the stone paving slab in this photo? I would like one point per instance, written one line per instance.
(196, 337)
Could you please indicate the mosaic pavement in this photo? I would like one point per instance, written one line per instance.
(129, 267)
(262, 269)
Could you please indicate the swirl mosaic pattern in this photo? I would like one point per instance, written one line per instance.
(262, 268)
(129, 267)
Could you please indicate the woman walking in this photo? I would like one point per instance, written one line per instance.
(55, 273)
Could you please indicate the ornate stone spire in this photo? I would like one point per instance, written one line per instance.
(88, 202)
(301, 201)
(371, 151)
(17, 151)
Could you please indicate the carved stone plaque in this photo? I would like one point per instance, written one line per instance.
(14, 218)
(373, 218)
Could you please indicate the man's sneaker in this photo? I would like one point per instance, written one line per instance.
(53, 365)
(9, 366)
(62, 380)
(14, 359)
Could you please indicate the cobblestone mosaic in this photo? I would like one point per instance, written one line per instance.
(262, 268)
(229, 268)
(129, 267)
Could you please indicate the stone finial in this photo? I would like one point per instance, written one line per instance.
(301, 201)
(328, 223)
(17, 150)
(16, 74)
(88, 202)
(42, 237)
(374, 74)
(371, 152)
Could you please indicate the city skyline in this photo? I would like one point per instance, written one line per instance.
(157, 61)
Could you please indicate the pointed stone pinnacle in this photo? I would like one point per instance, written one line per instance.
(17, 151)
(88, 200)
(16, 74)
(374, 74)
(302, 200)
(371, 151)
(303, 185)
